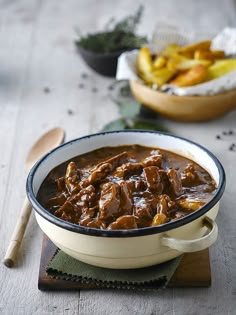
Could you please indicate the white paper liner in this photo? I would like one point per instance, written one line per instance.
(167, 34)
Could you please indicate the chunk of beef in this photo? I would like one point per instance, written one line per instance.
(125, 222)
(151, 197)
(189, 176)
(97, 175)
(135, 184)
(109, 202)
(84, 221)
(89, 217)
(175, 181)
(60, 184)
(56, 202)
(130, 185)
(90, 212)
(152, 160)
(140, 184)
(126, 200)
(86, 196)
(143, 212)
(164, 204)
(78, 203)
(128, 169)
(72, 177)
(153, 179)
(115, 161)
(92, 223)
(69, 212)
(97, 224)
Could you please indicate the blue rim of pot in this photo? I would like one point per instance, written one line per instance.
(123, 233)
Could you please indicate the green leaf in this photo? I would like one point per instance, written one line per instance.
(118, 124)
(129, 110)
(146, 124)
(136, 123)
(133, 114)
(124, 90)
(121, 95)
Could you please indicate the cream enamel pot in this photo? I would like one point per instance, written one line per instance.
(138, 247)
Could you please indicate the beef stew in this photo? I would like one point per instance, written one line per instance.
(126, 187)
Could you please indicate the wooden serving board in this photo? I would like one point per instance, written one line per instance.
(193, 271)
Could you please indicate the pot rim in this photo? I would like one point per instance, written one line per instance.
(123, 233)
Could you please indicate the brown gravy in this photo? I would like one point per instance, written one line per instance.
(126, 187)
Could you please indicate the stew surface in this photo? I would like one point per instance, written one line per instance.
(126, 187)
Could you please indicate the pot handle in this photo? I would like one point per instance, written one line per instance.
(188, 246)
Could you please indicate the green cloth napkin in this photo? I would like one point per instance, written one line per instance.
(155, 277)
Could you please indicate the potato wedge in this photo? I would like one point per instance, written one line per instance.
(182, 63)
(175, 60)
(190, 63)
(209, 55)
(183, 66)
(220, 68)
(144, 61)
(160, 218)
(203, 54)
(146, 78)
(218, 54)
(187, 54)
(161, 76)
(159, 62)
(170, 50)
(204, 45)
(193, 76)
(191, 205)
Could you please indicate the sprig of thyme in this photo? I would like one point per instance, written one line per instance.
(117, 37)
(129, 23)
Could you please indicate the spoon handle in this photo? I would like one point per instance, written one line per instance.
(17, 235)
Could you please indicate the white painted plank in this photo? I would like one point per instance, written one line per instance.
(219, 299)
(37, 51)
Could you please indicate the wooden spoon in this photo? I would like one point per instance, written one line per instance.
(47, 142)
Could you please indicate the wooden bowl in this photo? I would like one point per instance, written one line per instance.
(184, 108)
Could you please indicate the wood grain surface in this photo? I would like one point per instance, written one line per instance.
(37, 52)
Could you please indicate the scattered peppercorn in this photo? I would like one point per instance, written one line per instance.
(232, 147)
(46, 90)
(84, 75)
(81, 86)
(70, 112)
(224, 133)
(110, 87)
(228, 133)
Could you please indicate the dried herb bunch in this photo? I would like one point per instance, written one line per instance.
(116, 37)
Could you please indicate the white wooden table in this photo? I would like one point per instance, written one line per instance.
(37, 51)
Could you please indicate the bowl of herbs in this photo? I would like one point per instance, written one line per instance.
(101, 50)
